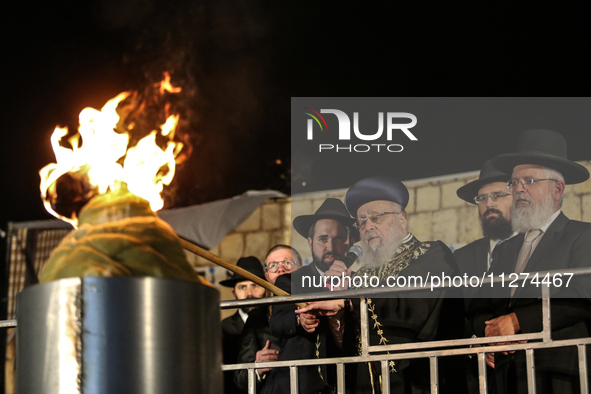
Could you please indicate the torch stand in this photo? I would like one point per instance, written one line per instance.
(118, 335)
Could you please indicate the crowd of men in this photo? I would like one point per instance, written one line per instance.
(519, 197)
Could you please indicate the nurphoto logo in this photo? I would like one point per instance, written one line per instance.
(317, 121)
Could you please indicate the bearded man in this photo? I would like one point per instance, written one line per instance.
(494, 202)
(330, 233)
(391, 251)
(489, 192)
(547, 240)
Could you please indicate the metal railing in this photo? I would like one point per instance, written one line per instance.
(430, 350)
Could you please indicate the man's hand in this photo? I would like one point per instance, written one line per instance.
(264, 355)
(490, 360)
(502, 325)
(323, 308)
(309, 322)
(338, 268)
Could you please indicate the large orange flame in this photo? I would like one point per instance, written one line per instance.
(101, 156)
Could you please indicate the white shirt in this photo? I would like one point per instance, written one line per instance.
(243, 315)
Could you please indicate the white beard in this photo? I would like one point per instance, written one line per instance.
(380, 251)
(533, 216)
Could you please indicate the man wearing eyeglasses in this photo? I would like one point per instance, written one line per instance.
(489, 192)
(390, 252)
(257, 344)
(281, 259)
(547, 240)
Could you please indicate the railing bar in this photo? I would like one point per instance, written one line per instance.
(7, 323)
(341, 378)
(410, 355)
(531, 372)
(386, 376)
(434, 375)
(293, 379)
(252, 381)
(364, 327)
(455, 342)
(583, 376)
(482, 373)
(376, 292)
(546, 327)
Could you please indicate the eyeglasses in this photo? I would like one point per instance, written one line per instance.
(273, 266)
(481, 199)
(376, 218)
(527, 182)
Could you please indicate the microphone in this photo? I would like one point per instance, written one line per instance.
(354, 253)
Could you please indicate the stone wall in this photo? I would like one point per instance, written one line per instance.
(435, 213)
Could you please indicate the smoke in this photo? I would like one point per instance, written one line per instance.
(218, 52)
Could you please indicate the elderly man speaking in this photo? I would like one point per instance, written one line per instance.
(391, 253)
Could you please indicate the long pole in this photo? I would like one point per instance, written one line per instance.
(191, 247)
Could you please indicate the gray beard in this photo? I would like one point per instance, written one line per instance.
(533, 217)
(377, 255)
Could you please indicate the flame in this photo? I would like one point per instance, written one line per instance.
(103, 158)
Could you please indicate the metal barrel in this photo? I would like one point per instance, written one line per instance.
(118, 335)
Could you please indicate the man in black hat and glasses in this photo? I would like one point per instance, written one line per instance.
(489, 192)
(242, 288)
(547, 240)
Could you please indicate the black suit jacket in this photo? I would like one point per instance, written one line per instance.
(297, 344)
(565, 245)
(472, 260)
(231, 331)
(307, 280)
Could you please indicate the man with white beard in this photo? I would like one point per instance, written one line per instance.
(390, 251)
(548, 240)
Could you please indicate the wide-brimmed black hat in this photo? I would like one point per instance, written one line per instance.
(331, 208)
(251, 264)
(374, 189)
(545, 148)
(488, 174)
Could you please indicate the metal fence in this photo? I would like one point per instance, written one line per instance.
(431, 350)
(29, 245)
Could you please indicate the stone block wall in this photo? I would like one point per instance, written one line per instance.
(435, 213)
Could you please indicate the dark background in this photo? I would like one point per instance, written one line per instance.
(239, 62)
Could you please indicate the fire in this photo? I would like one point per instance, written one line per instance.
(100, 158)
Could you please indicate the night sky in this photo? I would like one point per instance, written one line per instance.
(239, 62)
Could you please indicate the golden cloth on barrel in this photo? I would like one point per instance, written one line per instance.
(119, 235)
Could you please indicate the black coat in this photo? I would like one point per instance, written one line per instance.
(231, 331)
(297, 344)
(472, 260)
(254, 337)
(424, 317)
(565, 245)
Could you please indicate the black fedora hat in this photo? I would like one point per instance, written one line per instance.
(251, 264)
(376, 188)
(331, 208)
(545, 148)
(488, 174)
